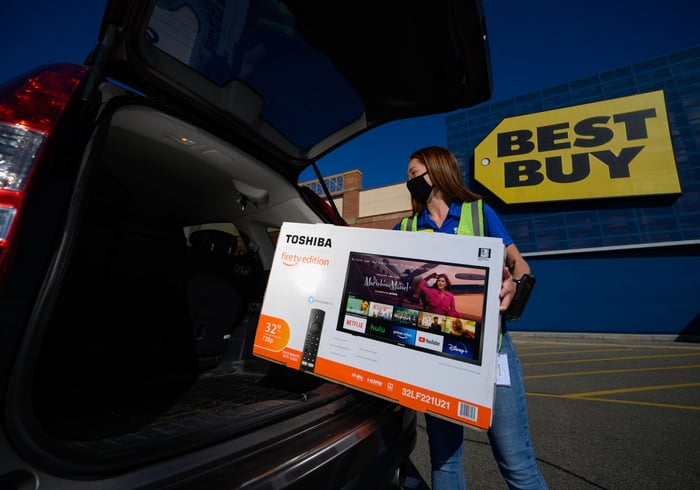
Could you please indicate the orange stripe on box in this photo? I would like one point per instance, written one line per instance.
(408, 395)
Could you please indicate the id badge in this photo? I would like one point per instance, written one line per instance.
(502, 372)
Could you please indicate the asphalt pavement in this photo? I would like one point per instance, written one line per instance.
(610, 412)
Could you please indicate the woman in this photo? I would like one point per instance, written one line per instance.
(437, 196)
(437, 298)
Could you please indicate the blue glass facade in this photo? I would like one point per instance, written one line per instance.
(614, 265)
(606, 223)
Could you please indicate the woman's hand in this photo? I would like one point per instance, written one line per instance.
(515, 265)
(430, 276)
(508, 287)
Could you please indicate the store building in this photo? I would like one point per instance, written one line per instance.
(598, 182)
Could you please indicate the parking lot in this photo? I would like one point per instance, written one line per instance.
(606, 412)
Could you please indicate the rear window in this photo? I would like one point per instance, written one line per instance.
(252, 42)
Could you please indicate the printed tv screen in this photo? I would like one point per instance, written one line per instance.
(434, 307)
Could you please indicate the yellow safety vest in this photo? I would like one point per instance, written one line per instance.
(471, 220)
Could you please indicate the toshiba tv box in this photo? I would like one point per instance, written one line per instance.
(361, 307)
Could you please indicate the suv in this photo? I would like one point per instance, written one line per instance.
(140, 197)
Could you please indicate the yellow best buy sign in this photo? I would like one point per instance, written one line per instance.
(612, 148)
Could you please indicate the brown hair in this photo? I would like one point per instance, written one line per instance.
(445, 175)
(448, 283)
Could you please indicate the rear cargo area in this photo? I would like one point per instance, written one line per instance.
(148, 348)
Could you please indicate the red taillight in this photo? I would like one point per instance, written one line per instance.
(29, 110)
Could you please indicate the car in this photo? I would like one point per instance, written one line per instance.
(141, 194)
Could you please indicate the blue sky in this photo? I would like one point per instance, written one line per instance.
(533, 45)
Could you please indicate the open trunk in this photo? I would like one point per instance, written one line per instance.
(150, 311)
(141, 194)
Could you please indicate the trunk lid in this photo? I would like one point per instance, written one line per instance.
(294, 79)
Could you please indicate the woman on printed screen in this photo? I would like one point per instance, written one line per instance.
(442, 203)
(437, 297)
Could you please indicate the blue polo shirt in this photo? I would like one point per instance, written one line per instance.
(492, 223)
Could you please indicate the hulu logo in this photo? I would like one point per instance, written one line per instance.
(377, 328)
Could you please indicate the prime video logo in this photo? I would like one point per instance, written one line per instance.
(403, 335)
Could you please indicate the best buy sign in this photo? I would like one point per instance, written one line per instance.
(612, 148)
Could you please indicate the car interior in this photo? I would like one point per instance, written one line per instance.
(154, 319)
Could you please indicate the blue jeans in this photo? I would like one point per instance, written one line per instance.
(509, 436)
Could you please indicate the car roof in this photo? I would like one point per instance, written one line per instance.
(294, 79)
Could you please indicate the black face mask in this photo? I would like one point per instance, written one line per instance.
(420, 190)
